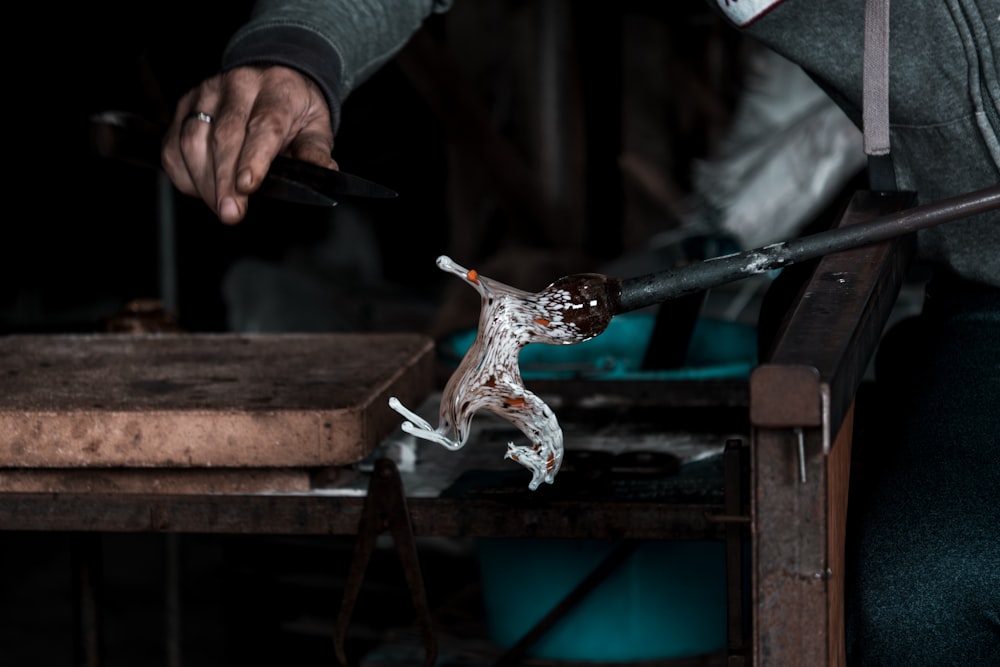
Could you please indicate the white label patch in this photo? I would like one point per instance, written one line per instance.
(745, 12)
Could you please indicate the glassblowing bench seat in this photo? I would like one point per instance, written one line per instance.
(224, 485)
(796, 414)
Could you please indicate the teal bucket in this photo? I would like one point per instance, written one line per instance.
(667, 600)
(718, 349)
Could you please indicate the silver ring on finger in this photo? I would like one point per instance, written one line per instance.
(200, 115)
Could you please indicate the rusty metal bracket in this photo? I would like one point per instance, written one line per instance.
(385, 510)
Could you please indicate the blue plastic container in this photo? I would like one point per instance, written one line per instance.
(718, 349)
(668, 600)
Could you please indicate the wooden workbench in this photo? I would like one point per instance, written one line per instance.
(206, 412)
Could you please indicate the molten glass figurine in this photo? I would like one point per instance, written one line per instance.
(571, 310)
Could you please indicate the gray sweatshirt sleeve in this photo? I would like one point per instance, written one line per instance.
(337, 43)
(944, 96)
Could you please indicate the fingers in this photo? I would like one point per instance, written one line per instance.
(239, 90)
(289, 115)
(185, 155)
(256, 114)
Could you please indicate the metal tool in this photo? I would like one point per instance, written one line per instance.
(596, 298)
(585, 303)
(126, 136)
(635, 293)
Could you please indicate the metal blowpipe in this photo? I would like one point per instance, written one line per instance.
(604, 296)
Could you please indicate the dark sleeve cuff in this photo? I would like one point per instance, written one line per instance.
(297, 48)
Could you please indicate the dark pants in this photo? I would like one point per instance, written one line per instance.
(924, 536)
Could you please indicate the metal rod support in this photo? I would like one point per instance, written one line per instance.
(661, 286)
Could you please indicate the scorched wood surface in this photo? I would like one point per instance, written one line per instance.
(203, 400)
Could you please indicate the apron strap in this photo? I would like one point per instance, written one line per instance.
(875, 101)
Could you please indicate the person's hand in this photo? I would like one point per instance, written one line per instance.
(227, 131)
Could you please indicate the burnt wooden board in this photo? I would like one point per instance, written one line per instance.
(204, 400)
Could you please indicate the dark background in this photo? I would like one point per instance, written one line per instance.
(79, 240)
(80, 234)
